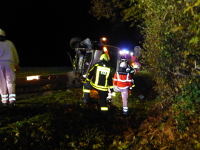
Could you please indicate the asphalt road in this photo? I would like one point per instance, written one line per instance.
(26, 88)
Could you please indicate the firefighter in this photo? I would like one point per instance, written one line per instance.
(8, 65)
(123, 83)
(100, 79)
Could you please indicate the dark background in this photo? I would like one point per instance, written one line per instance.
(41, 29)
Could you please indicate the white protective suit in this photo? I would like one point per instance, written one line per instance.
(9, 60)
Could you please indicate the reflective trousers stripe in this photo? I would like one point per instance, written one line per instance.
(104, 108)
(14, 95)
(4, 97)
(12, 99)
(86, 91)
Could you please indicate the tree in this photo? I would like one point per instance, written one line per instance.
(171, 31)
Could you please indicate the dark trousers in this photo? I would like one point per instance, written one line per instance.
(102, 94)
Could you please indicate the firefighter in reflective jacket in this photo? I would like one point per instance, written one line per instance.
(100, 79)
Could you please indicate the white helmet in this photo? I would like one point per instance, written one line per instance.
(123, 64)
(2, 33)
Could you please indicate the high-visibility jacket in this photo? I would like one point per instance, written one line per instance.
(100, 76)
(122, 80)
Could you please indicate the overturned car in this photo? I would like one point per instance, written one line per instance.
(88, 52)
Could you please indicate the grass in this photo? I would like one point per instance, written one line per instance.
(59, 121)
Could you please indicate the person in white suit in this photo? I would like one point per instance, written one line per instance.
(9, 64)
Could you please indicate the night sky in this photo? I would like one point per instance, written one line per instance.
(41, 29)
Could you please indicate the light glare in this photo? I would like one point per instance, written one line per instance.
(103, 39)
(105, 49)
(37, 77)
(124, 52)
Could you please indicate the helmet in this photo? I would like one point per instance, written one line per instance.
(104, 57)
(2, 33)
(123, 64)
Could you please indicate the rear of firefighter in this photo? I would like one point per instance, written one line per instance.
(100, 79)
(123, 83)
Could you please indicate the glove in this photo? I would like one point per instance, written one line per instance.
(109, 98)
(16, 68)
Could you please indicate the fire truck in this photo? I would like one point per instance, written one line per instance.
(88, 52)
